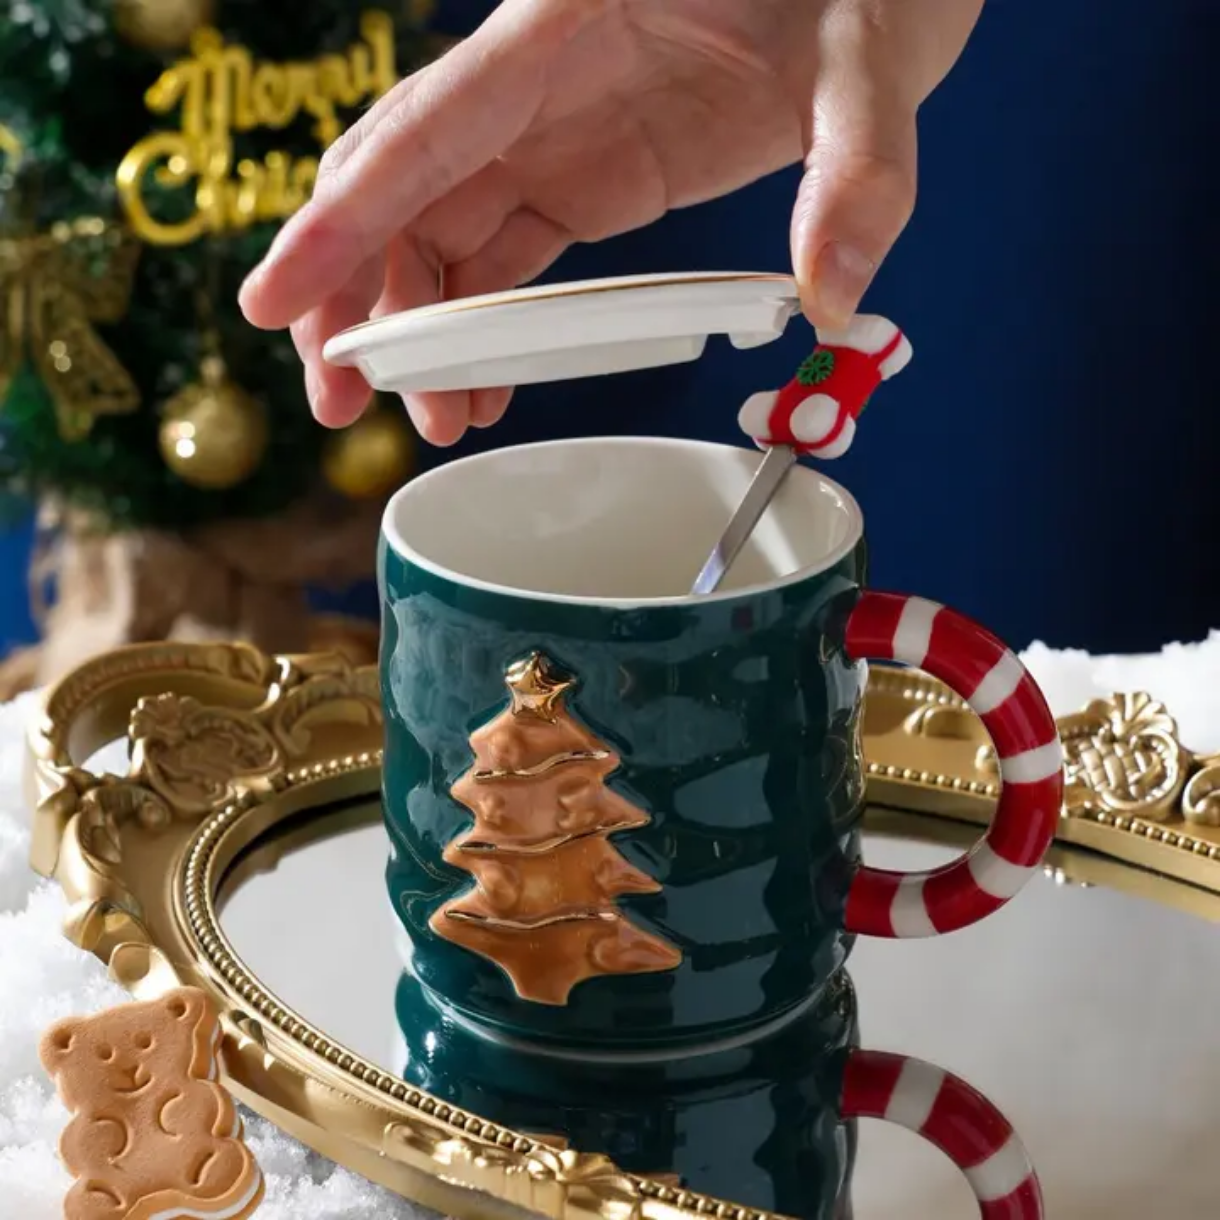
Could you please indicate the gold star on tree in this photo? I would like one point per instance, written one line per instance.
(536, 688)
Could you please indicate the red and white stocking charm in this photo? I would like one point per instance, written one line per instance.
(816, 412)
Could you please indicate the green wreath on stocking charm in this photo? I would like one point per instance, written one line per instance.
(816, 368)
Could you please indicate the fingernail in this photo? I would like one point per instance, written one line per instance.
(249, 286)
(420, 417)
(841, 275)
(312, 389)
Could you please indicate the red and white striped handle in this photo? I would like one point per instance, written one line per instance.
(953, 1117)
(989, 677)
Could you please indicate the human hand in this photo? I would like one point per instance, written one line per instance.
(562, 121)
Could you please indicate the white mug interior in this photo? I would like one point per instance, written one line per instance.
(619, 521)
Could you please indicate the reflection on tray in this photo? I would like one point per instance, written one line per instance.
(346, 976)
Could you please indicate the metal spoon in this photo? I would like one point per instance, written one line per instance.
(763, 486)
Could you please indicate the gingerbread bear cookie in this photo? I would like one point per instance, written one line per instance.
(153, 1134)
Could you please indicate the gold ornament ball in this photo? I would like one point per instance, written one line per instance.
(372, 457)
(161, 25)
(213, 434)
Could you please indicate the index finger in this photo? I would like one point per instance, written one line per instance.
(442, 125)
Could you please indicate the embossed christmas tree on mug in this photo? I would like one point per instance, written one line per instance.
(546, 872)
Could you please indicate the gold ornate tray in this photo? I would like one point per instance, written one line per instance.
(228, 746)
(1134, 793)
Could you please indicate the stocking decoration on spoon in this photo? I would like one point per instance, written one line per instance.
(815, 414)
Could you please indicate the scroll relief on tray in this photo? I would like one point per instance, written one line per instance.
(1124, 758)
(188, 758)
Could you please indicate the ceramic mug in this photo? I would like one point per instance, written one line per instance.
(769, 1122)
(623, 816)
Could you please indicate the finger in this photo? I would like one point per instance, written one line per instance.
(351, 138)
(413, 280)
(440, 418)
(456, 116)
(337, 396)
(443, 417)
(251, 296)
(462, 223)
(524, 246)
(487, 407)
(858, 189)
(449, 232)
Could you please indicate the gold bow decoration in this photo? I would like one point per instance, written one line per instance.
(54, 287)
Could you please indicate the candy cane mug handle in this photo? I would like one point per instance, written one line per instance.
(989, 677)
(953, 1117)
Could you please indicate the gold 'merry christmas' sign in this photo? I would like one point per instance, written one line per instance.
(221, 91)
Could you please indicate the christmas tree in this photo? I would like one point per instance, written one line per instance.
(546, 871)
(149, 151)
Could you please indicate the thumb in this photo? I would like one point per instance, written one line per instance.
(858, 189)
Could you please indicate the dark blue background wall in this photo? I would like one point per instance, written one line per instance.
(1048, 463)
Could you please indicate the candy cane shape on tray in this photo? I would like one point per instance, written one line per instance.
(990, 678)
(953, 1117)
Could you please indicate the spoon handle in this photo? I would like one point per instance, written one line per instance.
(766, 482)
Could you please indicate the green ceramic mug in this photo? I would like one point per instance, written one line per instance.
(623, 816)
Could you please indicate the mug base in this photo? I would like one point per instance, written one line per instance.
(755, 1120)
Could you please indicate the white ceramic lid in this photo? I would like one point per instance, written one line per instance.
(555, 332)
